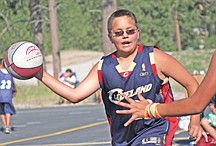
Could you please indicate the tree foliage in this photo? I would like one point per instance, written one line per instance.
(14, 24)
(80, 23)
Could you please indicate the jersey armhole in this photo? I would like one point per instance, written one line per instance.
(99, 70)
(154, 68)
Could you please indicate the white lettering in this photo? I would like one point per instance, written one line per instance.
(115, 94)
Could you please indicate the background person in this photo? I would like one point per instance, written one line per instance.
(209, 121)
(68, 79)
(7, 91)
(98, 96)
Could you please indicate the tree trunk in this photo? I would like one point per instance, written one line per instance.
(54, 37)
(109, 6)
(178, 38)
(36, 22)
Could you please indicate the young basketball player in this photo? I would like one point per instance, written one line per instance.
(130, 69)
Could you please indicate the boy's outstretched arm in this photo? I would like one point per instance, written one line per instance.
(85, 88)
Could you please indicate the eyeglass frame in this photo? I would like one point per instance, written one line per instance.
(122, 32)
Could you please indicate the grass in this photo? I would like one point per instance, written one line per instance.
(34, 97)
(193, 61)
(41, 96)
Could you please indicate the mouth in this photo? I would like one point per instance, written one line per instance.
(126, 43)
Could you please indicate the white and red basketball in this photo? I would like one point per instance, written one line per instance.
(23, 60)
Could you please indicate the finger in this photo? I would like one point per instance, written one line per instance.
(130, 100)
(130, 121)
(191, 133)
(198, 137)
(205, 135)
(124, 111)
(141, 98)
(122, 104)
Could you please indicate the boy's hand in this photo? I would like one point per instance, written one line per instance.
(196, 131)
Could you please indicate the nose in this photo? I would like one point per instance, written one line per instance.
(125, 35)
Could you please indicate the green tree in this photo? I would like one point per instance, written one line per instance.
(15, 26)
(155, 22)
(36, 22)
(80, 23)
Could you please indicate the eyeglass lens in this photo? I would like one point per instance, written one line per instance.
(121, 32)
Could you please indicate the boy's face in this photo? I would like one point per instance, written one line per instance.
(124, 34)
(68, 74)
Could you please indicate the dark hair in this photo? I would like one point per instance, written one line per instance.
(120, 13)
(2, 62)
(68, 70)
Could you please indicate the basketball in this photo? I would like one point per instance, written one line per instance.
(23, 60)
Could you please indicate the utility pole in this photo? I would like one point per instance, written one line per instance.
(36, 22)
(178, 38)
(54, 38)
(109, 6)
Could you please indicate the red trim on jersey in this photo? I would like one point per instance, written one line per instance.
(167, 97)
(154, 69)
(113, 55)
(99, 75)
(140, 48)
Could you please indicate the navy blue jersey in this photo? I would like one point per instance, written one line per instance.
(141, 76)
(6, 87)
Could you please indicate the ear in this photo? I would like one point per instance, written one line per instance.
(138, 35)
(110, 38)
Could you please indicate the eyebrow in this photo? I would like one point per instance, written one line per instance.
(127, 28)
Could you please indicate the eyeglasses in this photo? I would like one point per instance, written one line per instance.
(121, 32)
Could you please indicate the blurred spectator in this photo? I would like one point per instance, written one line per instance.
(209, 121)
(68, 78)
(98, 96)
(7, 91)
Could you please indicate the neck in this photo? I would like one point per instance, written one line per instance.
(127, 55)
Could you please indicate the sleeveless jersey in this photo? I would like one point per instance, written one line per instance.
(6, 86)
(143, 77)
